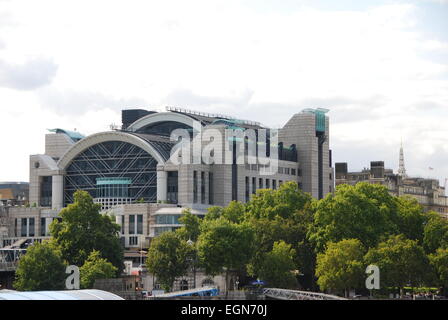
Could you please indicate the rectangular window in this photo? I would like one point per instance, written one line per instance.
(195, 186)
(202, 187)
(133, 241)
(15, 227)
(24, 226)
(132, 224)
(139, 224)
(247, 189)
(254, 185)
(274, 184)
(210, 188)
(31, 227)
(268, 184)
(42, 227)
(293, 172)
(122, 224)
(46, 191)
(260, 183)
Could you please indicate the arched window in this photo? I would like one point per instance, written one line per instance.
(112, 172)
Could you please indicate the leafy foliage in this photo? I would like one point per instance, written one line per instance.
(410, 220)
(439, 261)
(83, 229)
(41, 268)
(401, 261)
(168, 258)
(224, 244)
(191, 226)
(94, 268)
(341, 266)
(278, 266)
(435, 234)
(365, 211)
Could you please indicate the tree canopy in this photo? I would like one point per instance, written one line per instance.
(435, 233)
(83, 229)
(169, 257)
(365, 211)
(278, 267)
(402, 262)
(341, 266)
(95, 268)
(41, 268)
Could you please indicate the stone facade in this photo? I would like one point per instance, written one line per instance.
(427, 192)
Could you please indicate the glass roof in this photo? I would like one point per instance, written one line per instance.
(90, 294)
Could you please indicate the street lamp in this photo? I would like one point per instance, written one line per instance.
(191, 243)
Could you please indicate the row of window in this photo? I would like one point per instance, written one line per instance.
(268, 184)
(202, 187)
(135, 225)
(281, 170)
(28, 227)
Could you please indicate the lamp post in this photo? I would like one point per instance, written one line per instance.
(191, 243)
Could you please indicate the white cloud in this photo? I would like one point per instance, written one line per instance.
(372, 68)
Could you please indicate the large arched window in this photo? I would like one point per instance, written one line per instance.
(113, 172)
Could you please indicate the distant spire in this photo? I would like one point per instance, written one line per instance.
(401, 168)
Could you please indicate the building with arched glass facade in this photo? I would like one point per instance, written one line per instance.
(133, 174)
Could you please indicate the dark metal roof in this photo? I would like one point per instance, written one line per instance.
(161, 144)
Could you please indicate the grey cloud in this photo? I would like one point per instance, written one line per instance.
(344, 109)
(32, 74)
(185, 97)
(78, 102)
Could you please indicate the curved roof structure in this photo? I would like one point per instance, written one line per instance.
(153, 148)
(89, 294)
(154, 118)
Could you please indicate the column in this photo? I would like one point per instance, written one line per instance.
(57, 192)
(162, 185)
(48, 221)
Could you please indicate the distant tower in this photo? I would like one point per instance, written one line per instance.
(401, 168)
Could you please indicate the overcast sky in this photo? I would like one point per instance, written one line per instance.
(381, 67)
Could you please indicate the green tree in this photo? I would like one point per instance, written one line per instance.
(365, 211)
(83, 229)
(213, 213)
(341, 266)
(41, 268)
(411, 218)
(439, 261)
(285, 214)
(224, 244)
(435, 233)
(283, 202)
(191, 226)
(278, 266)
(234, 212)
(94, 268)
(168, 258)
(401, 261)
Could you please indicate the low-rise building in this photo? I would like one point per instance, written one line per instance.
(428, 192)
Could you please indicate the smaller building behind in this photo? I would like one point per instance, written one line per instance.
(428, 192)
